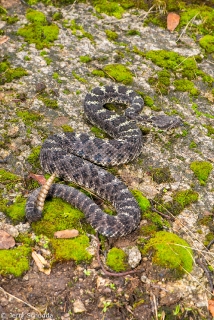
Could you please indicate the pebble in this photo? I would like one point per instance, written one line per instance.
(78, 306)
(134, 256)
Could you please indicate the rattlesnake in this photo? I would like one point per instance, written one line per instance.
(75, 157)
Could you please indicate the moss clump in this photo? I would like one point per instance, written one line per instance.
(39, 31)
(98, 133)
(163, 81)
(29, 117)
(119, 72)
(210, 130)
(170, 251)
(67, 249)
(57, 16)
(133, 32)
(110, 8)
(15, 261)
(176, 63)
(199, 113)
(58, 215)
(161, 175)
(67, 128)
(207, 42)
(116, 259)
(76, 76)
(186, 85)
(85, 59)
(111, 35)
(25, 238)
(98, 73)
(33, 158)
(16, 212)
(185, 197)
(8, 178)
(49, 103)
(180, 200)
(78, 31)
(204, 13)
(201, 170)
(8, 74)
(143, 202)
(208, 238)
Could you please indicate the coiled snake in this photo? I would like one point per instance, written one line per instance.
(76, 157)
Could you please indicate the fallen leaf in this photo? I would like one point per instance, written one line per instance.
(4, 39)
(173, 20)
(66, 234)
(41, 263)
(211, 307)
(6, 240)
(38, 177)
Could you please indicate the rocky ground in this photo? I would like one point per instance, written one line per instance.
(46, 96)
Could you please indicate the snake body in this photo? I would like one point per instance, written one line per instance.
(76, 157)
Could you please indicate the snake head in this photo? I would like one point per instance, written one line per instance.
(166, 122)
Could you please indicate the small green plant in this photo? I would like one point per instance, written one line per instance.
(177, 310)
(112, 286)
(106, 305)
(87, 272)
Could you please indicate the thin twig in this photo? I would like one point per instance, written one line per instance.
(20, 300)
(210, 244)
(155, 306)
(202, 263)
(147, 13)
(187, 27)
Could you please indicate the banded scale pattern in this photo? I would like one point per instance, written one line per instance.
(73, 156)
(76, 157)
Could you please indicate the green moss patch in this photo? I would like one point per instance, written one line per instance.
(200, 113)
(85, 59)
(201, 170)
(67, 249)
(15, 261)
(202, 12)
(111, 35)
(163, 81)
(185, 197)
(161, 175)
(29, 117)
(119, 72)
(170, 251)
(116, 71)
(169, 60)
(8, 74)
(8, 178)
(49, 103)
(39, 31)
(186, 85)
(111, 8)
(99, 133)
(16, 212)
(67, 128)
(33, 158)
(143, 202)
(79, 31)
(58, 215)
(117, 259)
(180, 200)
(207, 42)
(210, 130)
